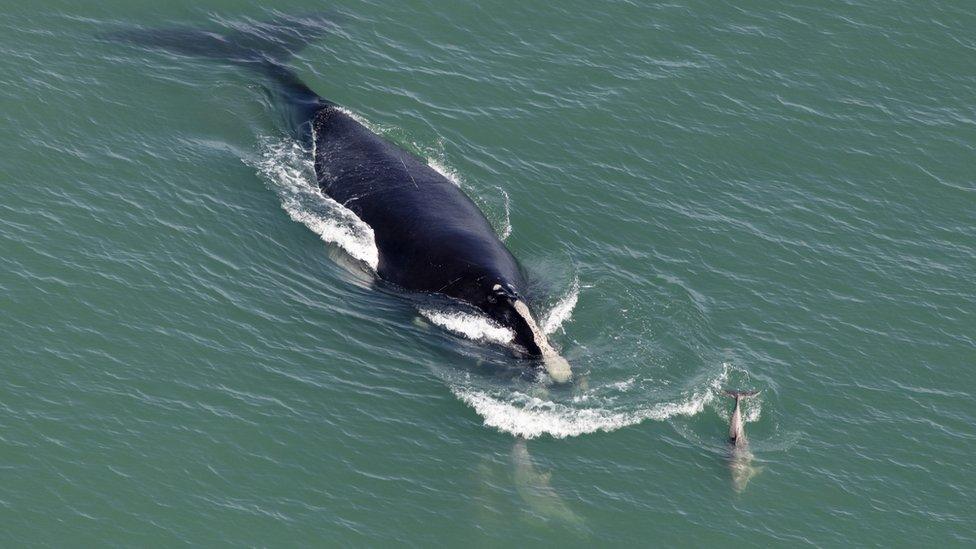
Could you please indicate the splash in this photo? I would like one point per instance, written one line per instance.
(472, 326)
(442, 168)
(375, 128)
(289, 170)
(562, 310)
(529, 416)
(751, 407)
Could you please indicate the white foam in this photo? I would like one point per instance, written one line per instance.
(529, 416)
(562, 310)
(470, 325)
(375, 128)
(442, 168)
(752, 409)
(290, 171)
(624, 385)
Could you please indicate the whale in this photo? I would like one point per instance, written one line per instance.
(740, 456)
(430, 236)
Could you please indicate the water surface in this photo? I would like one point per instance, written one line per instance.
(705, 195)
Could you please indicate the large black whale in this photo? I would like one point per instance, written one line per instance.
(430, 236)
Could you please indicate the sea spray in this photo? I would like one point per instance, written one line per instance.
(562, 310)
(470, 325)
(288, 169)
(531, 416)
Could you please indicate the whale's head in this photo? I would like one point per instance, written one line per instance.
(501, 303)
(504, 305)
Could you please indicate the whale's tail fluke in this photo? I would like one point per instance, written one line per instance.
(245, 42)
(737, 395)
(261, 46)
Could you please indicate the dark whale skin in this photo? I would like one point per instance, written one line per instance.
(430, 236)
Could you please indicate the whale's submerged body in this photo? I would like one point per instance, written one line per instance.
(430, 236)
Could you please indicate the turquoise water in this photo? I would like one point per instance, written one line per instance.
(706, 195)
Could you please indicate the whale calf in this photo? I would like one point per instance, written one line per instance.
(740, 457)
(430, 236)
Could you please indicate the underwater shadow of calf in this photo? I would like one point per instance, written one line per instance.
(536, 491)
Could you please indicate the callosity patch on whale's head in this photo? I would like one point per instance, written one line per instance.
(500, 299)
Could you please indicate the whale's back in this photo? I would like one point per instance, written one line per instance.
(429, 233)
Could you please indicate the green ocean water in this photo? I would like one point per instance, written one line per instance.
(706, 195)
